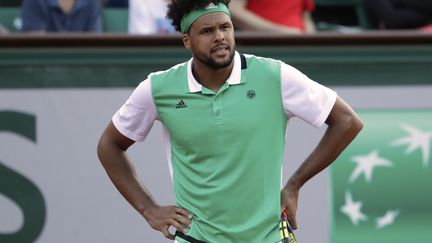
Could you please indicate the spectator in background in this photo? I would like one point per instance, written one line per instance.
(3, 30)
(116, 3)
(277, 16)
(61, 16)
(400, 14)
(149, 17)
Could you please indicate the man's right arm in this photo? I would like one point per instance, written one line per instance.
(111, 150)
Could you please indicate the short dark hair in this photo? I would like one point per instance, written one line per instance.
(179, 8)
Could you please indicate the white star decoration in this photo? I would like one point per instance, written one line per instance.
(353, 209)
(416, 139)
(366, 164)
(387, 219)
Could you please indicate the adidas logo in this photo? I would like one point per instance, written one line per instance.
(211, 6)
(181, 104)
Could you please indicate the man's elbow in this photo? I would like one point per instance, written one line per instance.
(101, 148)
(354, 124)
(104, 146)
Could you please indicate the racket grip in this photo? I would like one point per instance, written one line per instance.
(285, 229)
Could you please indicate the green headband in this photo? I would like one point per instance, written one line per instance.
(190, 18)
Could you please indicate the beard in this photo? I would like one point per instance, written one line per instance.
(212, 63)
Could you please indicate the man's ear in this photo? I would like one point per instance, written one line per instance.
(186, 41)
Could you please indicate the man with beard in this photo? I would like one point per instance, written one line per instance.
(225, 115)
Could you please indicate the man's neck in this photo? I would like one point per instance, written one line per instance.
(66, 5)
(211, 78)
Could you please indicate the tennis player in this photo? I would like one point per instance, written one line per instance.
(224, 116)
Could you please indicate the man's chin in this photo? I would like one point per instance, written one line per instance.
(221, 62)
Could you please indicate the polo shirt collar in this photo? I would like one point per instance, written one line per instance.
(234, 79)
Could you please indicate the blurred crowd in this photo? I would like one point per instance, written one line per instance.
(273, 16)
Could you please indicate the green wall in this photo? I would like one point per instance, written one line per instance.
(127, 66)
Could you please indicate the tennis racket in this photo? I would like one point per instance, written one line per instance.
(285, 229)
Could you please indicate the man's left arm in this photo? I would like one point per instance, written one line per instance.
(343, 126)
(309, 23)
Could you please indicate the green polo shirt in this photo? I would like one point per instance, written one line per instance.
(225, 149)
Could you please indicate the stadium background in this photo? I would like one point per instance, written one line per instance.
(57, 93)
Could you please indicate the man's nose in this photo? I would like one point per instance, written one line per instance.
(219, 35)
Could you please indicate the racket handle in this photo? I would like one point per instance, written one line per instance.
(285, 229)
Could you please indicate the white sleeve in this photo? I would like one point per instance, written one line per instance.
(135, 118)
(305, 98)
